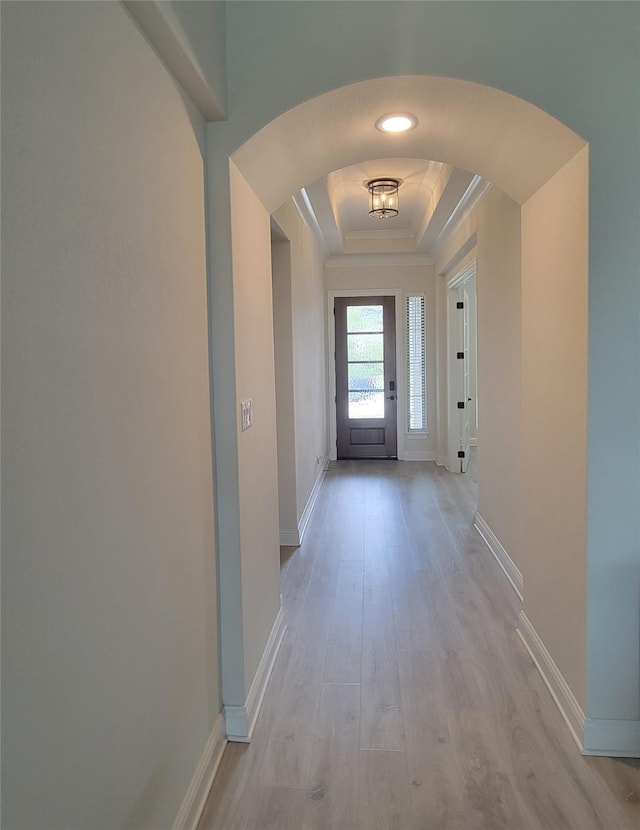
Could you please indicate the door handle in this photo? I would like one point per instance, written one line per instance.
(391, 397)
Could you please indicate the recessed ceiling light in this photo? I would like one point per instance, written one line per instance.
(396, 122)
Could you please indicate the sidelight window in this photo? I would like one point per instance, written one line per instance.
(416, 365)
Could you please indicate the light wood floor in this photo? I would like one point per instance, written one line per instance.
(402, 697)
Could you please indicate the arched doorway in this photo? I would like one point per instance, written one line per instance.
(542, 166)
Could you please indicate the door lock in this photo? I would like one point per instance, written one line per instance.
(391, 397)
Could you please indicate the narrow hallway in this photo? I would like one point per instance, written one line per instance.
(402, 696)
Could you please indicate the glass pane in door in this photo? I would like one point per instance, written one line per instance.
(364, 318)
(366, 404)
(365, 356)
(366, 375)
(365, 346)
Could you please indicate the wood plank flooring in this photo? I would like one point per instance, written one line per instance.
(402, 699)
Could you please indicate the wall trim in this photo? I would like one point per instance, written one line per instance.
(441, 460)
(616, 738)
(311, 503)
(240, 721)
(380, 260)
(564, 698)
(471, 198)
(290, 538)
(293, 538)
(511, 570)
(417, 455)
(383, 233)
(196, 796)
(454, 391)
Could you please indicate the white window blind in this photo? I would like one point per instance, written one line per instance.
(416, 364)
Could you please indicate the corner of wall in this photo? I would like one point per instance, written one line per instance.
(240, 721)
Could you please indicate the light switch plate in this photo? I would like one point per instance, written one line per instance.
(246, 414)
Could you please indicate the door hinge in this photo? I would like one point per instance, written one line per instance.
(461, 454)
(460, 404)
(459, 305)
(460, 355)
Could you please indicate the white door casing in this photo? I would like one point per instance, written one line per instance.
(458, 369)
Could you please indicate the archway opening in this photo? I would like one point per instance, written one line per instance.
(531, 244)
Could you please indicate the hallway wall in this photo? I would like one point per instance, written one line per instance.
(285, 398)
(554, 428)
(309, 352)
(493, 228)
(191, 40)
(257, 460)
(532, 398)
(110, 667)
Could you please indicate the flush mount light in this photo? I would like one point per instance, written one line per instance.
(383, 198)
(396, 122)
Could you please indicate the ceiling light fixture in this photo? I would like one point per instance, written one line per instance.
(383, 198)
(396, 122)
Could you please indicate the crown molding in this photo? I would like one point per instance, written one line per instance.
(303, 205)
(382, 233)
(470, 200)
(378, 260)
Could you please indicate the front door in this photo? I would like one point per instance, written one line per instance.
(366, 392)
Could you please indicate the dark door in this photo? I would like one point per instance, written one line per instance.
(366, 395)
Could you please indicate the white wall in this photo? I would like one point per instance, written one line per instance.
(308, 348)
(409, 277)
(285, 391)
(190, 37)
(532, 398)
(110, 667)
(554, 423)
(494, 231)
(257, 460)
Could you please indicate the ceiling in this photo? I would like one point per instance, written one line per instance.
(506, 140)
(432, 195)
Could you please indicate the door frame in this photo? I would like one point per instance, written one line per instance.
(455, 282)
(401, 368)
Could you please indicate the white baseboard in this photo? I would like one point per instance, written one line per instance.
(198, 790)
(240, 721)
(511, 570)
(290, 538)
(417, 455)
(616, 738)
(293, 538)
(564, 698)
(311, 501)
(443, 461)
